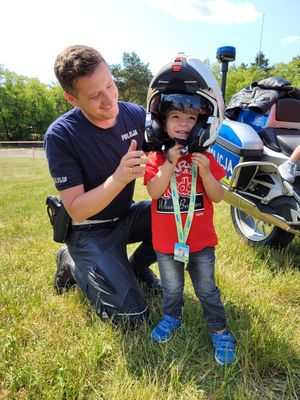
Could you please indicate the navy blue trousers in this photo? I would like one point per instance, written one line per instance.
(103, 270)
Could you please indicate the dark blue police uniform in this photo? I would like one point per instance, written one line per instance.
(79, 152)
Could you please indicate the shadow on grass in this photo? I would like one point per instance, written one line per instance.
(266, 365)
(280, 259)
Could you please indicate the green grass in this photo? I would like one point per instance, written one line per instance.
(55, 347)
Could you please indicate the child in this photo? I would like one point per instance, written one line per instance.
(183, 186)
(288, 169)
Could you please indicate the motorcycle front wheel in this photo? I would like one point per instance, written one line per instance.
(257, 232)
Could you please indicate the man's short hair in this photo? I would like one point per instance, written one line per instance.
(73, 62)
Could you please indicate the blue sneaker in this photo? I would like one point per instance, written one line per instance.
(165, 329)
(224, 345)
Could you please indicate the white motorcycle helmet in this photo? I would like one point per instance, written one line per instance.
(185, 84)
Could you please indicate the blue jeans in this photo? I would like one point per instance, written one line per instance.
(102, 268)
(201, 269)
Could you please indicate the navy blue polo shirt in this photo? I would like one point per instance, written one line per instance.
(79, 152)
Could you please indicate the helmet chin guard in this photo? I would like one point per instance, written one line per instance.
(187, 85)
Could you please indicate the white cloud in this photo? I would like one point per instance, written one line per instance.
(290, 39)
(210, 11)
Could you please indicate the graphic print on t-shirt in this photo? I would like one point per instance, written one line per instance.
(183, 173)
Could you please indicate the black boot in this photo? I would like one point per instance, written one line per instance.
(63, 279)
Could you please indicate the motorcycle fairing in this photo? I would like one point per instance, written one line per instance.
(235, 142)
(227, 159)
(240, 138)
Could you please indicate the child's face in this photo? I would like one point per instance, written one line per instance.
(179, 124)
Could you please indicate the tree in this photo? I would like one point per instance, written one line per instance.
(237, 77)
(3, 123)
(132, 79)
(40, 110)
(27, 107)
(290, 71)
(60, 104)
(13, 104)
(261, 61)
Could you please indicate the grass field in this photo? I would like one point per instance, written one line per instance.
(55, 347)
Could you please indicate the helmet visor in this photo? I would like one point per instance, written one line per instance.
(187, 103)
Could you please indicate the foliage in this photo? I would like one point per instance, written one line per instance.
(60, 104)
(240, 77)
(133, 79)
(55, 347)
(290, 71)
(27, 106)
(261, 62)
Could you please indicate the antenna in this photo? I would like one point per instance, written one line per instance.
(259, 54)
(261, 32)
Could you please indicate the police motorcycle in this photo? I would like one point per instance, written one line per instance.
(250, 143)
(260, 130)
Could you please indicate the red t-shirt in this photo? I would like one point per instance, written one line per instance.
(164, 233)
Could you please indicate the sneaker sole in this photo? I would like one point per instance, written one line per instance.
(218, 361)
(162, 341)
(166, 340)
(221, 363)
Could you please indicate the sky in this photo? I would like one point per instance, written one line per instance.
(33, 32)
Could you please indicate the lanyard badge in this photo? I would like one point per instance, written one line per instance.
(181, 249)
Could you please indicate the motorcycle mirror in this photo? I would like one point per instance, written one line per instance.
(225, 54)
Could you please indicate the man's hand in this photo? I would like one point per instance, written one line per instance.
(82, 205)
(132, 165)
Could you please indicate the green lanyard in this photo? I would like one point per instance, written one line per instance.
(183, 233)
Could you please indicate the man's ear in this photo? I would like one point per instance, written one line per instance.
(70, 99)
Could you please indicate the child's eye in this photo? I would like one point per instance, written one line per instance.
(95, 96)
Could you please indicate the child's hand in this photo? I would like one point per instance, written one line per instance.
(203, 163)
(173, 154)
